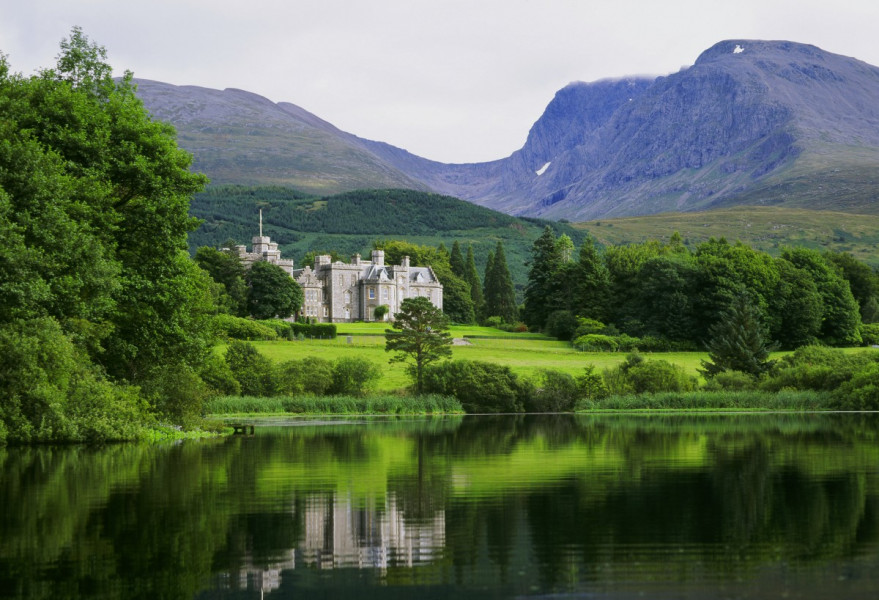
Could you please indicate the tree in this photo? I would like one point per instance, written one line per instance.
(542, 296)
(456, 261)
(94, 217)
(500, 297)
(271, 292)
(472, 277)
(737, 342)
(592, 283)
(420, 334)
(226, 269)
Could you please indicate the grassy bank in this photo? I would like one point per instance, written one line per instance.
(334, 405)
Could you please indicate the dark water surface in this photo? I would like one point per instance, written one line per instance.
(597, 507)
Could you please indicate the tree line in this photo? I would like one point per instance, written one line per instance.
(665, 290)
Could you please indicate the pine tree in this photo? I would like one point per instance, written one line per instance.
(500, 297)
(737, 342)
(541, 292)
(472, 277)
(456, 261)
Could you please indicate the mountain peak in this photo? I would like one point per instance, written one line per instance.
(760, 49)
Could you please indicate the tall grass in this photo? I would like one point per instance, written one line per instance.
(334, 405)
(722, 400)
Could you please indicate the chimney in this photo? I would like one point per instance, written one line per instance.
(405, 262)
(378, 258)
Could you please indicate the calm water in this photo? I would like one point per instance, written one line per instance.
(611, 507)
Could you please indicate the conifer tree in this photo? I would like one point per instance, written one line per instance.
(500, 297)
(541, 292)
(456, 261)
(737, 342)
(472, 277)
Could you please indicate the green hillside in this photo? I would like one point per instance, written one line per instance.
(764, 228)
(351, 222)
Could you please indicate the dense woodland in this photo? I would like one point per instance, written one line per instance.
(668, 292)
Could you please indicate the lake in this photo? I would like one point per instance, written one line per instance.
(538, 506)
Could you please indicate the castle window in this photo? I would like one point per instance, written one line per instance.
(372, 293)
(386, 294)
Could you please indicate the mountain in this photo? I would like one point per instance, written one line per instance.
(751, 122)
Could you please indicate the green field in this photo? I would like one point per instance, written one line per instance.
(526, 354)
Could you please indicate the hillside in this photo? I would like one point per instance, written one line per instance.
(765, 228)
(767, 123)
(351, 222)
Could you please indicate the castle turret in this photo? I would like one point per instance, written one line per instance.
(378, 258)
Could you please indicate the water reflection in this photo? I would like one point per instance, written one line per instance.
(610, 506)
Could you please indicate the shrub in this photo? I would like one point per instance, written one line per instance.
(324, 331)
(252, 370)
(311, 375)
(587, 326)
(219, 377)
(177, 393)
(861, 392)
(480, 387)
(591, 384)
(639, 376)
(555, 392)
(282, 328)
(596, 342)
(870, 334)
(237, 328)
(353, 376)
(561, 324)
(815, 368)
(733, 381)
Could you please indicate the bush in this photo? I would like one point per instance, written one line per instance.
(311, 375)
(861, 392)
(816, 368)
(592, 386)
(176, 393)
(282, 328)
(252, 370)
(561, 324)
(870, 334)
(237, 328)
(639, 376)
(733, 381)
(480, 387)
(555, 392)
(324, 331)
(589, 326)
(596, 342)
(353, 376)
(219, 377)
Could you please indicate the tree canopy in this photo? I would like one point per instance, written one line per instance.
(420, 334)
(94, 216)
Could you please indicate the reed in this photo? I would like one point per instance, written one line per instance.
(798, 400)
(334, 405)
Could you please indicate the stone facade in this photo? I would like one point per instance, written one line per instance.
(337, 292)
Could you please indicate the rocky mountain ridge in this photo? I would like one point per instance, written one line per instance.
(756, 122)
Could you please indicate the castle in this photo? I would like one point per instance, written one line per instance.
(337, 292)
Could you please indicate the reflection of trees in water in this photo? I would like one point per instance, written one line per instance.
(733, 493)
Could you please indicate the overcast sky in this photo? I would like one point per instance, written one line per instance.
(450, 80)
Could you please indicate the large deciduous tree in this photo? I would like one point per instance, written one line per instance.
(420, 334)
(271, 292)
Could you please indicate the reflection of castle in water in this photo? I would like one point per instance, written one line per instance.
(340, 534)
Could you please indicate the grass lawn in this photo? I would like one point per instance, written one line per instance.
(526, 354)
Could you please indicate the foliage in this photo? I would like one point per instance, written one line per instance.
(561, 324)
(870, 334)
(51, 392)
(554, 392)
(271, 292)
(542, 294)
(472, 277)
(861, 392)
(353, 376)
(715, 400)
(228, 326)
(639, 376)
(816, 368)
(253, 371)
(480, 387)
(500, 297)
(425, 404)
(225, 268)
(94, 216)
(310, 375)
(737, 341)
(380, 311)
(591, 385)
(323, 331)
(596, 342)
(421, 334)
